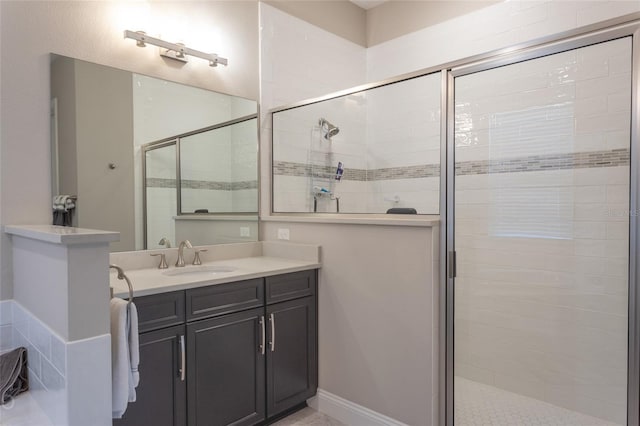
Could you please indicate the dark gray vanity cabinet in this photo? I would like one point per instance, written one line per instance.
(292, 355)
(292, 364)
(161, 396)
(235, 354)
(226, 370)
(162, 399)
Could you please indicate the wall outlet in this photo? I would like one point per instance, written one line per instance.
(283, 233)
(245, 231)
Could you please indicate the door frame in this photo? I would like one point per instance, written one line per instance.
(625, 26)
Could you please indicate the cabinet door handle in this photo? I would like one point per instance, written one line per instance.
(272, 320)
(264, 335)
(183, 360)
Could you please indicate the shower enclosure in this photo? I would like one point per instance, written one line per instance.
(539, 184)
(541, 217)
(368, 151)
(540, 296)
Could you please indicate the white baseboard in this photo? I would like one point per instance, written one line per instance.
(348, 412)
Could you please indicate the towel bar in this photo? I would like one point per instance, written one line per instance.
(123, 276)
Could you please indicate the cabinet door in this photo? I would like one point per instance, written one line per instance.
(292, 358)
(226, 370)
(161, 394)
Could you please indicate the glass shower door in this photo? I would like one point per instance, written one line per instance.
(542, 183)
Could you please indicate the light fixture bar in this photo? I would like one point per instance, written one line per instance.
(180, 49)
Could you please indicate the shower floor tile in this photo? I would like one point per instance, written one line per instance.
(477, 404)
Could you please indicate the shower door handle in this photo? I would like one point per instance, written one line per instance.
(452, 264)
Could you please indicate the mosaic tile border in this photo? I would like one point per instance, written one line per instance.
(288, 168)
(534, 163)
(202, 184)
(406, 172)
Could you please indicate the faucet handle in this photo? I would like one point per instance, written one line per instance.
(163, 260)
(196, 259)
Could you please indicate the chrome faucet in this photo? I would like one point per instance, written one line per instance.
(165, 242)
(183, 244)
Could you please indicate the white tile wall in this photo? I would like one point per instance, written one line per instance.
(54, 366)
(403, 129)
(244, 152)
(6, 328)
(503, 24)
(214, 200)
(206, 156)
(392, 126)
(161, 208)
(245, 200)
(541, 293)
(300, 61)
(46, 357)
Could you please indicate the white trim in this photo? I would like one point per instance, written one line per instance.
(349, 412)
(426, 221)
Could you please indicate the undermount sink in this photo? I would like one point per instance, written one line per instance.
(200, 270)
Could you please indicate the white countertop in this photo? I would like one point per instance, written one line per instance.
(62, 234)
(154, 281)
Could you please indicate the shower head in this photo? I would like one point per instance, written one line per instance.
(328, 129)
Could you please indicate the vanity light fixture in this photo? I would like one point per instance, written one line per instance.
(177, 51)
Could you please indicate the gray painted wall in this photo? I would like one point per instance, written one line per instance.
(340, 17)
(377, 318)
(397, 18)
(382, 23)
(104, 135)
(63, 88)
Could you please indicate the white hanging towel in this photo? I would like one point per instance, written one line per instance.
(125, 355)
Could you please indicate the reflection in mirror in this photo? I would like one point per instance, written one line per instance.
(214, 187)
(218, 170)
(101, 118)
(161, 195)
(366, 152)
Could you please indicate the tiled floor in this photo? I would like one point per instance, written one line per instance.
(308, 417)
(480, 404)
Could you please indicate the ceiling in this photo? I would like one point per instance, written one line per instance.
(368, 4)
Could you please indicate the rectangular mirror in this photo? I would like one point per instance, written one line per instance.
(365, 152)
(107, 123)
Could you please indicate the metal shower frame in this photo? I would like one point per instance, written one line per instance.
(624, 26)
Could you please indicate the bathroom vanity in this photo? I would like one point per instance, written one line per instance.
(231, 342)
